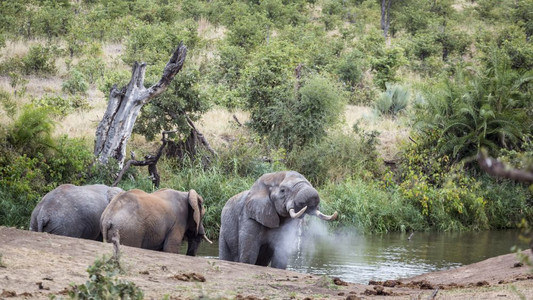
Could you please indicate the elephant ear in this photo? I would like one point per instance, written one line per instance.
(260, 208)
(195, 201)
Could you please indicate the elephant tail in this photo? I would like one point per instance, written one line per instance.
(41, 223)
(106, 229)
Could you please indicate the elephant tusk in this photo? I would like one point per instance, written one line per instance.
(206, 239)
(298, 214)
(325, 217)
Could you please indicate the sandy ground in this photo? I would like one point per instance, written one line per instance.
(38, 265)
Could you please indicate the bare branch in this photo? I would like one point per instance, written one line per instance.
(496, 168)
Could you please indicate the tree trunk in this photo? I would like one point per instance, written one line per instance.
(385, 16)
(124, 105)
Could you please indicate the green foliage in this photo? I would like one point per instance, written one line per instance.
(267, 82)
(393, 100)
(31, 132)
(386, 63)
(215, 186)
(487, 109)
(113, 77)
(8, 104)
(22, 183)
(32, 163)
(248, 31)
(75, 83)
(168, 112)
(243, 158)
(230, 65)
(103, 284)
(52, 19)
(350, 69)
(305, 119)
(60, 106)
(338, 157)
(154, 43)
(92, 68)
(40, 60)
(366, 205)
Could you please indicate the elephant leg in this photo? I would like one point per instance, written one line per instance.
(265, 255)
(173, 241)
(250, 240)
(224, 251)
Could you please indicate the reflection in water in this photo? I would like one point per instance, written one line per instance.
(360, 258)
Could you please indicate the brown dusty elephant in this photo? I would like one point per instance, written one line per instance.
(258, 226)
(72, 210)
(157, 221)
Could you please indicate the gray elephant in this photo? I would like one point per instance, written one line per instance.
(258, 226)
(72, 210)
(157, 221)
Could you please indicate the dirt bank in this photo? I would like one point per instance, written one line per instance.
(36, 265)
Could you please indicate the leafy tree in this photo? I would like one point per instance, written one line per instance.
(167, 112)
(267, 81)
(248, 31)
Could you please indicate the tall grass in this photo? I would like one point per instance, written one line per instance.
(370, 208)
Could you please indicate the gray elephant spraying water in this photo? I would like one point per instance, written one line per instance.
(157, 221)
(258, 226)
(72, 210)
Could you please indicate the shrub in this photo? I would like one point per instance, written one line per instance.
(40, 60)
(338, 157)
(31, 132)
(75, 83)
(349, 69)
(102, 283)
(60, 106)
(92, 68)
(248, 31)
(22, 183)
(393, 100)
(386, 63)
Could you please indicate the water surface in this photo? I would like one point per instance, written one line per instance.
(359, 258)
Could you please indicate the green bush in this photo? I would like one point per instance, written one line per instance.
(59, 106)
(338, 157)
(385, 64)
(40, 60)
(75, 83)
(247, 32)
(31, 132)
(103, 284)
(393, 100)
(22, 184)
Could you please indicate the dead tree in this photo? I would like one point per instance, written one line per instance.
(124, 105)
(149, 160)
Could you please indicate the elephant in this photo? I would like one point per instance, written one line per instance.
(74, 211)
(258, 226)
(157, 221)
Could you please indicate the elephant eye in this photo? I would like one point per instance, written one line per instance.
(282, 190)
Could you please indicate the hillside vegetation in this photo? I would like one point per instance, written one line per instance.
(383, 109)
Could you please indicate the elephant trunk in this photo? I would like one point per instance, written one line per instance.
(309, 195)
